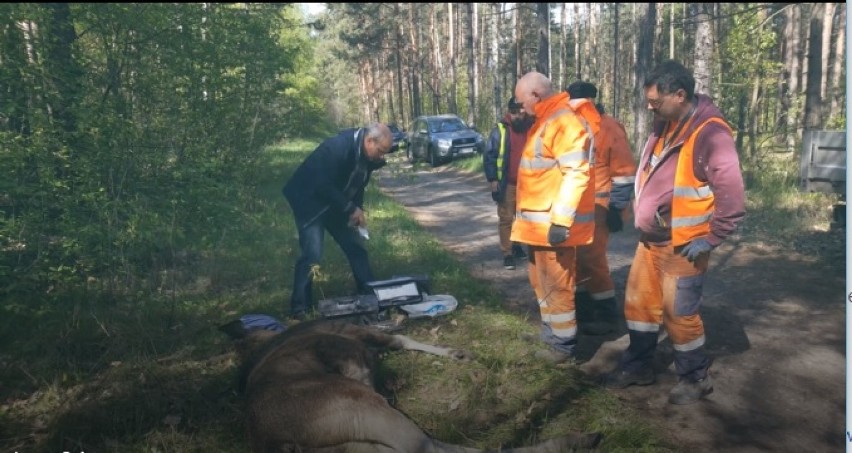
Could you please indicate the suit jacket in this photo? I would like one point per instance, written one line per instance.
(332, 178)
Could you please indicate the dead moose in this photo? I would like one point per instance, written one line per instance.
(310, 389)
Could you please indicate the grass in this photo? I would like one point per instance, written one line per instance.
(777, 209)
(471, 164)
(149, 372)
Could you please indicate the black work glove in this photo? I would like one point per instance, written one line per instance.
(695, 248)
(557, 234)
(614, 221)
(496, 196)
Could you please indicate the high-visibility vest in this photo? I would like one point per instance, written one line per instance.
(540, 179)
(501, 153)
(692, 201)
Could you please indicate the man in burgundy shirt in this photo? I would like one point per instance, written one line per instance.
(689, 198)
(501, 159)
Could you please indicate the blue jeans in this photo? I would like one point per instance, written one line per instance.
(311, 238)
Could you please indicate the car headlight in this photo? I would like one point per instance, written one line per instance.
(478, 139)
(444, 143)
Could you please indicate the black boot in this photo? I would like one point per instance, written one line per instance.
(604, 318)
(584, 307)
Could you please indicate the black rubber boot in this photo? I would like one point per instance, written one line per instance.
(604, 318)
(584, 307)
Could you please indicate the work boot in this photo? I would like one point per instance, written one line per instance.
(620, 379)
(584, 307)
(509, 262)
(604, 318)
(518, 251)
(553, 356)
(687, 391)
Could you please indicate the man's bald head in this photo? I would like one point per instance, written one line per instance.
(531, 89)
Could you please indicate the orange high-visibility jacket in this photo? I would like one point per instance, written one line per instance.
(692, 200)
(555, 177)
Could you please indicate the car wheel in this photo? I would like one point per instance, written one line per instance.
(433, 159)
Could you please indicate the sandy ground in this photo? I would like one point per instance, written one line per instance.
(774, 320)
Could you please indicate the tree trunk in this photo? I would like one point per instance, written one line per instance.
(792, 61)
(754, 106)
(392, 116)
(563, 46)
(594, 11)
(615, 57)
(454, 107)
(702, 65)
(471, 64)
(543, 16)
(587, 43)
(63, 73)
(813, 100)
(578, 60)
(494, 66)
(671, 31)
(805, 33)
(13, 59)
(474, 26)
(362, 85)
(516, 38)
(634, 57)
(825, 56)
(368, 95)
(838, 93)
(742, 113)
(644, 60)
(398, 50)
(437, 64)
(417, 108)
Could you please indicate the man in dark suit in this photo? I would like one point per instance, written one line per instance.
(327, 193)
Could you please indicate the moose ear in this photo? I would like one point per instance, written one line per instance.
(234, 329)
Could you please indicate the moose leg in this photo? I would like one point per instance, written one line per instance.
(377, 339)
(403, 342)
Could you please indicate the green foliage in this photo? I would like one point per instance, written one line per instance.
(746, 60)
(776, 210)
(837, 122)
(171, 105)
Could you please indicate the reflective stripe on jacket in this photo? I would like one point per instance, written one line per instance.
(693, 201)
(555, 178)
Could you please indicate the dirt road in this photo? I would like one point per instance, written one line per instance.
(775, 325)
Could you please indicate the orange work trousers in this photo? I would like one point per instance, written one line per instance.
(552, 273)
(664, 288)
(593, 273)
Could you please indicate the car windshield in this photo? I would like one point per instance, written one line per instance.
(446, 125)
(393, 128)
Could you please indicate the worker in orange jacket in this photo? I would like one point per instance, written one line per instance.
(555, 210)
(615, 172)
(690, 197)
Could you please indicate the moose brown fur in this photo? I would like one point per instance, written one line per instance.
(310, 389)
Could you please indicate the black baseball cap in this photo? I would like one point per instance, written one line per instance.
(581, 89)
(514, 106)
